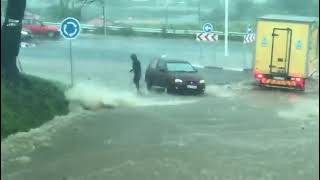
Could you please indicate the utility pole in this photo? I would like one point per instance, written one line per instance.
(167, 9)
(226, 30)
(199, 12)
(104, 17)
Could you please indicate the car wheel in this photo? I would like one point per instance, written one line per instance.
(51, 34)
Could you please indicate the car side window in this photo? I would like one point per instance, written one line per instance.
(37, 23)
(154, 64)
(162, 65)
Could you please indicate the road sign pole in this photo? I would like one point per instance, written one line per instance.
(226, 31)
(70, 29)
(71, 62)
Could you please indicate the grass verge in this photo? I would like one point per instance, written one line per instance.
(29, 104)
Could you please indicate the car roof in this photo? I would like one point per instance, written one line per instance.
(174, 61)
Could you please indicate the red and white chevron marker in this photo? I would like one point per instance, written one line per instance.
(249, 38)
(207, 37)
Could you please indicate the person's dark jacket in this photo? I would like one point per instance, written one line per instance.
(136, 67)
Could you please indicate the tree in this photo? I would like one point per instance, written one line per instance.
(11, 38)
(73, 7)
(243, 8)
(296, 7)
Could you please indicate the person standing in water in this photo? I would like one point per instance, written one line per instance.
(136, 69)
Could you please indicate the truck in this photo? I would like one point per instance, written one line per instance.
(287, 51)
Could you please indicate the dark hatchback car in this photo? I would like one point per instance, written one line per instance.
(175, 76)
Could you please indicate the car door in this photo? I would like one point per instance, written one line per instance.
(27, 24)
(280, 53)
(40, 27)
(161, 74)
(150, 73)
(35, 26)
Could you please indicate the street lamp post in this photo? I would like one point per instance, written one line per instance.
(103, 2)
(104, 20)
(199, 12)
(167, 9)
(226, 31)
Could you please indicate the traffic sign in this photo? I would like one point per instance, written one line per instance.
(249, 38)
(249, 29)
(70, 28)
(207, 37)
(207, 28)
(264, 42)
(299, 44)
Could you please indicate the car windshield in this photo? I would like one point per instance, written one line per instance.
(180, 67)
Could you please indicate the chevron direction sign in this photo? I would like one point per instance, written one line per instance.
(207, 37)
(249, 38)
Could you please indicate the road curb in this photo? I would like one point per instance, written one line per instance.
(228, 68)
(26, 45)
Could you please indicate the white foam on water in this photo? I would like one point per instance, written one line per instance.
(95, 95)
(26, 45)
(18, 146)
(224, 91)
(228, 90)
(92, 95)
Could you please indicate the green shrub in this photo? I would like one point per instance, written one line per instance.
(29, 104)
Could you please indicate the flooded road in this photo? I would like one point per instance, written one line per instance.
(236, 131)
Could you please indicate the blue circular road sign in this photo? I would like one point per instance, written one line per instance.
(208, 27)
(70, 28)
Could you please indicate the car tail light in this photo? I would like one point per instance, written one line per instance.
(299, 81)
(259, 76)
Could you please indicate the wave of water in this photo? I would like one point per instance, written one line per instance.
(18, 146)
(94, 95)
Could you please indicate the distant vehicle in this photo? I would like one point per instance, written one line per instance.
(38, 28)
(99, 22)
(175, 76)
(287, 51)
(30, 15)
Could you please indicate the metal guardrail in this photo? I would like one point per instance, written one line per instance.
(151, 30)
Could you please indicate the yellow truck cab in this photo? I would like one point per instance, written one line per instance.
(287, 51)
